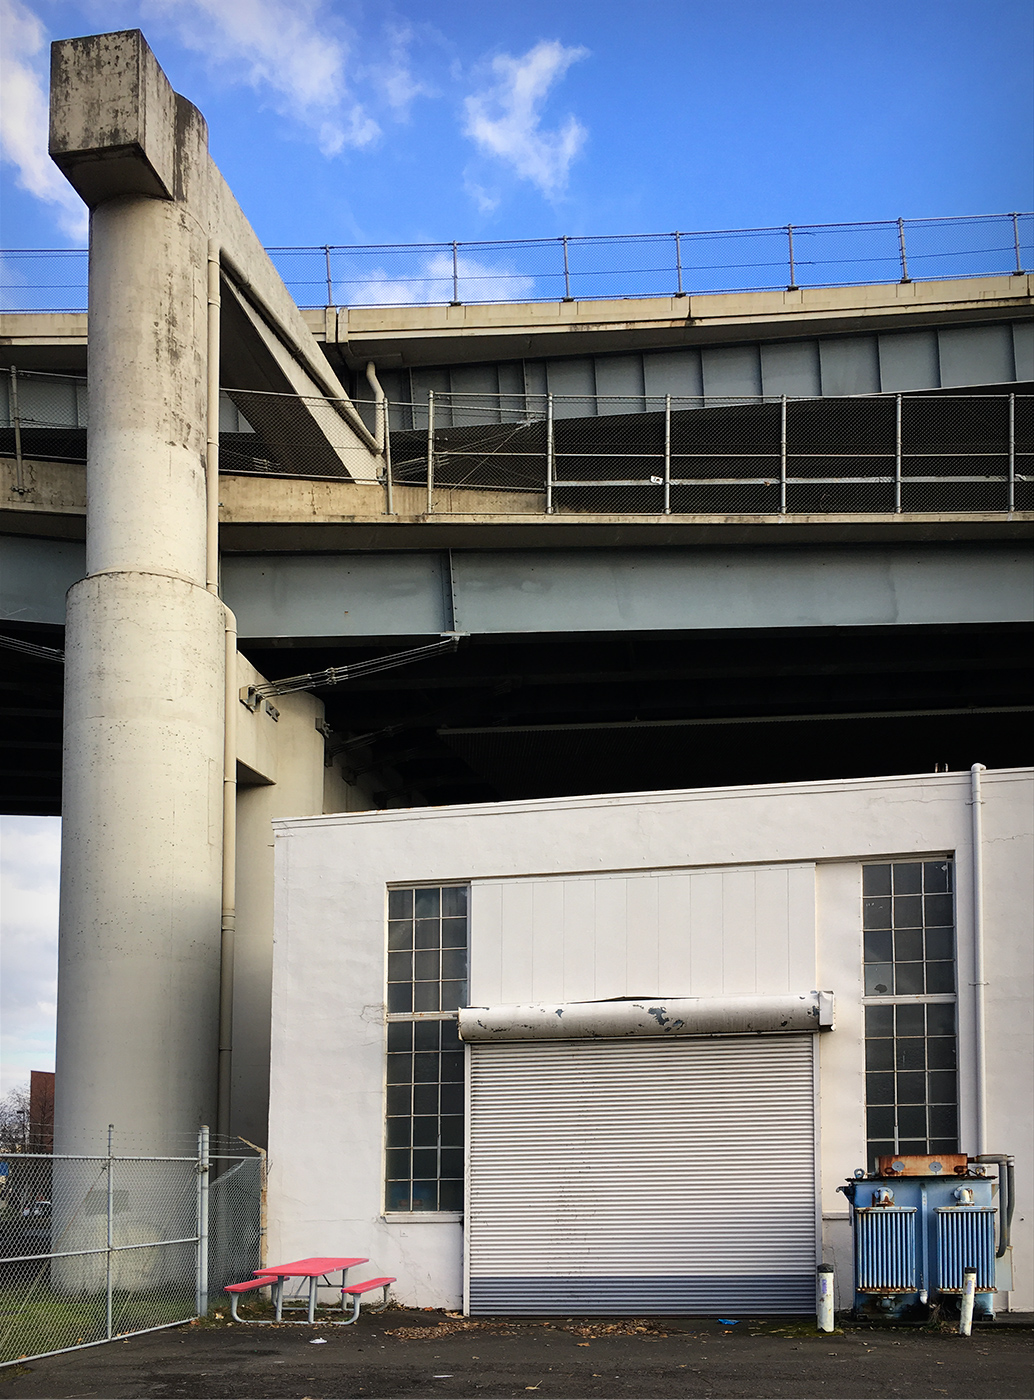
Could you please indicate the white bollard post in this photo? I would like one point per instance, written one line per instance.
(825, 1297)
(969, 1293)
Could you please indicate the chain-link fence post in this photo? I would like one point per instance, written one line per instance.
(782, 454)
(1011, 501)
(678, 262)
(110, 1234)
(330, 277)
(203, 1164)
(389, 500)
(567, 272)
(1016, 241)
(16, 423)
(793, 271)
(667, 454)
(430, 451)
(901, 248)
(897, 454)
(549, 454)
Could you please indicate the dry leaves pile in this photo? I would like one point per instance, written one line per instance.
(634, 1326)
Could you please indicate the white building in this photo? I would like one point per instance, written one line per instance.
(651, 1111)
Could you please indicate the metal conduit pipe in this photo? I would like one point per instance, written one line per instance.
(1007, 1185)
(977, 876)
(379, 398)
(332, 393)
(228, 918)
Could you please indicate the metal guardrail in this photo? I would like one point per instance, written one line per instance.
(93, 1248)
(595, 267)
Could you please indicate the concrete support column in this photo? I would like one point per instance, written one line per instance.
(143, 746)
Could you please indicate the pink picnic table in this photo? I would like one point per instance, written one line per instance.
(314, 1270)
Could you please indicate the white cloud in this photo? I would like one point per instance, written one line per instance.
(431, 281)
(292, 48)
(25, 117)
(394, 77)
(505, 121)
(29, 873)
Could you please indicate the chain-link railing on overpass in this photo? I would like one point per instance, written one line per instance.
(454, 453)
(594, 267)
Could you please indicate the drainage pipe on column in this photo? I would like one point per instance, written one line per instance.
(228, 921)
(977, 877)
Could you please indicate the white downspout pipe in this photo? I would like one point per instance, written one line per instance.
(228, 921)
(977, 876)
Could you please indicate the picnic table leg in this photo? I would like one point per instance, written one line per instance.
(278, 1296)
(313, 1285)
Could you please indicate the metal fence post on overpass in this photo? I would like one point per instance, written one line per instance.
(897, 454)
(901, 248)
(430, 451)
(1016, 241)
(667, 454)
(793, 271)
(678, 260)
(782, 454)
(549, 454)
(1011, 503)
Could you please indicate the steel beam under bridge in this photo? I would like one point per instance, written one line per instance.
(323, 598)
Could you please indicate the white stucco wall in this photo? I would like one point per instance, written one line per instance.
(706, 892)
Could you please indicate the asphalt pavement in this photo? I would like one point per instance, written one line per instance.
(400, 1354)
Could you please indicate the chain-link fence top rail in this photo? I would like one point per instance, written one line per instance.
(97, 1247)
(587, 268)
(648, 454)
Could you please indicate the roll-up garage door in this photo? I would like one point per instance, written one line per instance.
(641, 1176)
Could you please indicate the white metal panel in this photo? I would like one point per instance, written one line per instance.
(1023, 350)
(731, 370)
(675, 372)
(850, 365)
(664, 1176)
(791, 367)
(701, 933)
(908, 360)
(975, 355)
(620, 377)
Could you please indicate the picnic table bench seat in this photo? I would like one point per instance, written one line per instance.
(355, 1291)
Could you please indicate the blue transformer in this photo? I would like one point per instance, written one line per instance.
(914, 1235)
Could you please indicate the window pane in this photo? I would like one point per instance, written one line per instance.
(879, 1149)
(940, 1018)
(940, 977)
(879, 1122)
(940, 1052)
(879, 979)
(908, 877)
(426, 996)
(397, 1195)
(400, 1035)
(913, 1145)
(936, 875)
(454, 933)
(908, 945)
(879, 946)
(876, 912)
(425, 1098)
(427, 933)
(939, 910)
(425, 1132)
(400, 1067)
(908, 911)
(452, 1068)
(399, 1099)
(875, 879)
(451, 1195)
(879, 1020)
(397, 1161)
(454, 995)
(454, 963)
(910, 1020)
(425, 1195)
(912, 1087)
(452, 1161)
(944, 1121)
(452, 1131)
(942, 1086)
(910, 1054)
(425, 1067)
(400, 996)
(940, 943)
(450, 1035)
(427, 903)
(399, 1132)
(879, 1088)
(427, 1035)
(912, 1121)
(400, 904)
(454, 901)
(400, 967)
(427, 966)
(400, 935)
(908, 978)
(452, 1098)
(425, 1161)
(879, 1054)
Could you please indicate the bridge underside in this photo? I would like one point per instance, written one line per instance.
(547, 714)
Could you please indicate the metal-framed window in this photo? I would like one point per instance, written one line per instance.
(426, 984)
(911, 1043)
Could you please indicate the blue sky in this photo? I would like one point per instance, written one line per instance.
(410, 122)
(338, 122)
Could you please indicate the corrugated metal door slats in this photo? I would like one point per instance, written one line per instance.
(636, 1176)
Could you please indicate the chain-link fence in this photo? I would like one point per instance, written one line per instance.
(99, 1247)
(541, 453)
(595, 267)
